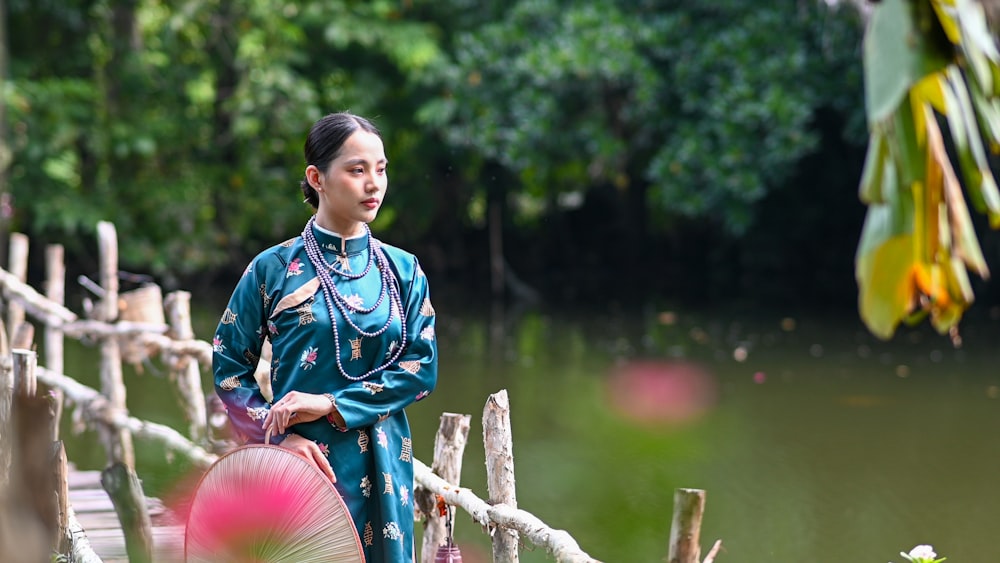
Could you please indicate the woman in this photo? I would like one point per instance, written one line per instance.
(351, 328)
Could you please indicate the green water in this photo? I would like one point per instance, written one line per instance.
(817, 442)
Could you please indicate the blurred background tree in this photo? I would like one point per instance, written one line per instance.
(608, 149)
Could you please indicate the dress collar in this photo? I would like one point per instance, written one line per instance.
(334, 242)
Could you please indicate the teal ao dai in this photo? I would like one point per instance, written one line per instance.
(279, 297)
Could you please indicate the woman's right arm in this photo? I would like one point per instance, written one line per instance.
(236, 350)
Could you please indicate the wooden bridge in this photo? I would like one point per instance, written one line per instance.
(97, 517)
(47, 507)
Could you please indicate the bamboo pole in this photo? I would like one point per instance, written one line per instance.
(558, 543)
(24, 336)
(25, 378)
(449, 445)
(500, 470)
(6, 411)
(186, 375)
(60, 478)
(33, 302)
(710, 558)
(122, 485)
(81, 550)
(28, 509)
(55, 291)
(96, 407)
(17, 263)
(117, 441)
(685, 529)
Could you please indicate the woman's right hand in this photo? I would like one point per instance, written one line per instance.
(309, 450)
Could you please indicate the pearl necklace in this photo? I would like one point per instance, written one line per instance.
(335, 299)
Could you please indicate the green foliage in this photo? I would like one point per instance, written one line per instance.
(676, 98)
(182, 122)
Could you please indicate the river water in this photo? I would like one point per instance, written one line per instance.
(813, 440)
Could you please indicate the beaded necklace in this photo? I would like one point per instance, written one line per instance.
(335, 299)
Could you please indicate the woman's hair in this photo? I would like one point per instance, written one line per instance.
(323, 144)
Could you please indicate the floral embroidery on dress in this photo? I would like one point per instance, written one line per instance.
(372, 387)
(406, 453)
(272, 328)
(259, 413)
(217, 345)
(391, 349)
(250, 357)
(388, 484)
(305, 313)
(392, 531)
(230, 383)
(356, 348)
(294, 268)
(368, 534)
(323, 448)
(345, 263)
(308, 359)
(228, 317)
(355, 301)
(411, 366)
(422, 394)
(426, 309)
(404, 495)
(264, 297)
(382, 439)
(248, 269)
(366, 486)
(427, 333)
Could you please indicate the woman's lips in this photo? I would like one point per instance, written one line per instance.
(370, 203)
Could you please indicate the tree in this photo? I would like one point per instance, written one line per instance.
(679, 109)
(183, 122)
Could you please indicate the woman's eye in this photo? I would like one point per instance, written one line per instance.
(357, 170)
(381, 171)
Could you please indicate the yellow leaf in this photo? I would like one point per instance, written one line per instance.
(945, 11)
(885, 281)
(929, 90)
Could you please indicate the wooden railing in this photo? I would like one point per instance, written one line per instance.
(169, 337)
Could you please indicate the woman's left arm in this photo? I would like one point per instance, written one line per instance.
(411, 378)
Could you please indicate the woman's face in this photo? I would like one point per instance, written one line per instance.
(352, 188)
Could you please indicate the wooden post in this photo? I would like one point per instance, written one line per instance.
(185, 372)
(25, 379)
(685, 530)
(500, 470)
(6, 411)
(449, 445)
(117, 442)
(55, 291)
(122, 485)
(28, 511)
(60, 478)
(17, 265)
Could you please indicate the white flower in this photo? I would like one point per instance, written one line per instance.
(921, 553)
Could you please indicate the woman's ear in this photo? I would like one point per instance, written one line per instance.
(313, 177)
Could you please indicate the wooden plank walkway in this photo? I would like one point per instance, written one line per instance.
(97, 516)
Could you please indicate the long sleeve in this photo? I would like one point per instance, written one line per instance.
(411, 378)
(236, 350)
